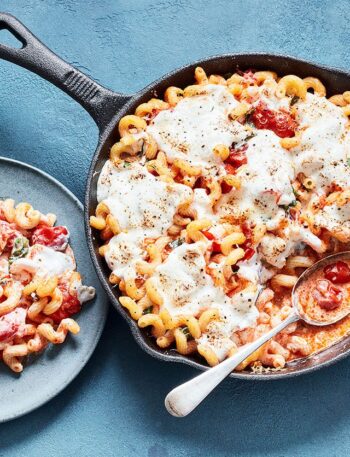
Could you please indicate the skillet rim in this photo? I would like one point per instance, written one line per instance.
(139, 334)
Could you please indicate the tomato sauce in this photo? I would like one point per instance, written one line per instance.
(325, 295)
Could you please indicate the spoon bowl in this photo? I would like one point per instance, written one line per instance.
(305, 276)
(185, 398)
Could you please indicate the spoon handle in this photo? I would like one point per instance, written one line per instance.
(186, 397)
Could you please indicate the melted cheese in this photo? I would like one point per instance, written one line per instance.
(324, 149)
(139, 200)
(144, 205)
(196, 125)
(236, 313)
(186, 288)
(334, 218)
(202, 204)
(124, 250)
(266, 182)
(43, 261)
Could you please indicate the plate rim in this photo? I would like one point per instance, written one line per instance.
(101, 323)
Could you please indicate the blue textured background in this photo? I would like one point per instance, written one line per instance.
(115, 407)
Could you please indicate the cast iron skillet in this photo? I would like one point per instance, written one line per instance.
(107, 108)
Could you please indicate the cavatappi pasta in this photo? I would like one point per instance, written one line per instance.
(40, 288)
(224, 186)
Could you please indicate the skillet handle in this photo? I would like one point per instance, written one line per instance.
(100, 102)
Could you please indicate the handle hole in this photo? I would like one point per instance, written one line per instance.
(8, 39)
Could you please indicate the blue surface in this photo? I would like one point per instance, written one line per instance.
(115, 406)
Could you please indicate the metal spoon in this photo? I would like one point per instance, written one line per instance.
(185, 398)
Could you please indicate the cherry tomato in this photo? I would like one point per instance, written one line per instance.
(208, 235)
(225, 188)
(201, 184)
(53, 237)
(337, 273)
(216, 246)
(230, 169)
(70, 305)
(279, 122)
(248, 233)
(11, 322)
(237, 157)
(327, 296)
(248, 254)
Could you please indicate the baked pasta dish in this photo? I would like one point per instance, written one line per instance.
(231, 184)
(40, 288)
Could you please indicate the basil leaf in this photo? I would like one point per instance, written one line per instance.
(20, 249)
(176, 243)
(294, 100)
(186, 332)
(148, 310)
(295, 192)
(250, 136)
(291, 205)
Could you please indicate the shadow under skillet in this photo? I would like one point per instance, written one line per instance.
(123, 391)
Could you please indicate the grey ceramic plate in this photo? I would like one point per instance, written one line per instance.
(48, 373)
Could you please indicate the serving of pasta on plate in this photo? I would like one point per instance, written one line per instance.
(40, 289)
(230, 185)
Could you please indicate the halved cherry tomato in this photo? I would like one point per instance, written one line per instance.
(225, 188)
(327, 296)
(280, 122)
(248, 233)
(201, 184)
(8, 234)
(248, 254)
(70, 305)
(10, 323)
(53, 237)
(237, 157)
(337, 273)
(216, 246)
(230, 169)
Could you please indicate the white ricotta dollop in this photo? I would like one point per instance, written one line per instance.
(195, 125)
(186, 288)
(324, 148)
(265, 182)
(143, 205)
(139, 200)
(336, 219)
(43, 261)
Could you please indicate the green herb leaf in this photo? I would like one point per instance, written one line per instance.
(250, 136)
(294, 100)
(126, 164)
(291, 205)
(148, 310)
(176, 243)
(295, 192)
(348, 161)
(20, 249)
(186, 332)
